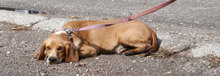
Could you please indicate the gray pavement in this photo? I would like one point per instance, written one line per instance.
(187, 29)
(17, 48)
(190, 13)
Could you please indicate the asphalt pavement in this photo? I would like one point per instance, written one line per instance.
(190, 13)
(18, 46)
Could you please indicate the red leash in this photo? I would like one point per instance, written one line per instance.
(127, 19)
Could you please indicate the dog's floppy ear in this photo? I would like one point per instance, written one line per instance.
(71, 52)
(41, 53)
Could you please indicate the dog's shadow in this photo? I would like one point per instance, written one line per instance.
(159, 42)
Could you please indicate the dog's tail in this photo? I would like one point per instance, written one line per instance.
(154, 44)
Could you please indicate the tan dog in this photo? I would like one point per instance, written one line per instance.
(135, 36)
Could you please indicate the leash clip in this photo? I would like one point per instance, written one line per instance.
(70, 30)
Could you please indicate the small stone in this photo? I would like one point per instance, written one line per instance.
(209, 67)
(74, 17)
(71, 62)
(81, 64)
(77, 74)
(149, 20)
(87, 18)
(43, 74)
(134, 61)
(87, 70)
(8, 52)
(132, 69)
(75, 65)
(96, 58)
(169, 72)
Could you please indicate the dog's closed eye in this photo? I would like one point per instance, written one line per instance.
(59, 48)
(48, 48)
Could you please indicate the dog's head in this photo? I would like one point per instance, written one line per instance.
(58, 48)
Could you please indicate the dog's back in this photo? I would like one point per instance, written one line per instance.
(133, 33)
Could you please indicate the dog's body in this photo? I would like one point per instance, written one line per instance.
(137, 37)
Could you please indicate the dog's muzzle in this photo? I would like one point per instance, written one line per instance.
(52, 59)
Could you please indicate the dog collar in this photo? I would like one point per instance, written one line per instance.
(69, 35)
(66, 32)
(69, 31)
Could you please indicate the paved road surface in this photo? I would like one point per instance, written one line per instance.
(17, 48)
(190, 13)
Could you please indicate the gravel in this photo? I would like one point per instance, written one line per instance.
(19, 46)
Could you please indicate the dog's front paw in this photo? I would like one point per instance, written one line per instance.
(120, 49)
(36, 55)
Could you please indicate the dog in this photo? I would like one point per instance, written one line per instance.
(135, 37)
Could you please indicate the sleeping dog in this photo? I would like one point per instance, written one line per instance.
(136, 38)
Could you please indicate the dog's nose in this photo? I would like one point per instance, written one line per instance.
(52, 59)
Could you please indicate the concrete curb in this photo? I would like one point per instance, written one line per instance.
(20, 18)
(204, 49)
(53, 24)
(38, 22)
(192, 50)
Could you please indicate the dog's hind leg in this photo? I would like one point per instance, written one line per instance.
(137, 50)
